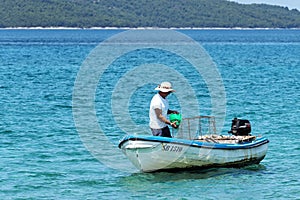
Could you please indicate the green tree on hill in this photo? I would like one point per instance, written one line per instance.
(144, 13)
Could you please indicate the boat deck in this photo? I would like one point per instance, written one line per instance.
(225, 139)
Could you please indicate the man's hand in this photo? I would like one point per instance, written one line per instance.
(173, 124)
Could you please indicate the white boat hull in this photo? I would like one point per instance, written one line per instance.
(151, 153)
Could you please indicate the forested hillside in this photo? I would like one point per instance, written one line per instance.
(144, 13)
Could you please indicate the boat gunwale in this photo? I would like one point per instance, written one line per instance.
(194, 143)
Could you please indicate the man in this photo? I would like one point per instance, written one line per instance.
(159, 109)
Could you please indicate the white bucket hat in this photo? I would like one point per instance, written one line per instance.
(165, 87)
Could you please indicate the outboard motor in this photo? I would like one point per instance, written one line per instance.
(240, 127)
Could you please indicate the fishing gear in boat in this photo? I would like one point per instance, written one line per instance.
(175, 117)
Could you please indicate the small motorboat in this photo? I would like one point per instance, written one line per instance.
(189, 148)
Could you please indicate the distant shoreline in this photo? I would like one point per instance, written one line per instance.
(140, 28)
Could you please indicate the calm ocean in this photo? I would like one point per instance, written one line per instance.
(43, 157)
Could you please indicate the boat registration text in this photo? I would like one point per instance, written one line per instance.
(171, 148)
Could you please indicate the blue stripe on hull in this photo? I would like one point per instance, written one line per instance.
(195, 143)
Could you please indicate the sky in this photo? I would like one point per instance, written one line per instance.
(291, 4)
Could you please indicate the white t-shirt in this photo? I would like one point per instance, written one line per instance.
(161, 103)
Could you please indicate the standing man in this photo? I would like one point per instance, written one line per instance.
(159, 109)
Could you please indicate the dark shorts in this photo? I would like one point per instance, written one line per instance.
(164, 132)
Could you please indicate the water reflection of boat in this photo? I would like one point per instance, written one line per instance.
(191, 149)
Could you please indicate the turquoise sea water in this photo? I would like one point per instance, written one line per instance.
(42, 156)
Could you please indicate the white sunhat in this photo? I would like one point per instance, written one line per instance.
(165, 87)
